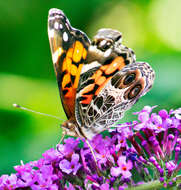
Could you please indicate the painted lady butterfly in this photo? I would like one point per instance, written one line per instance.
(99, 80)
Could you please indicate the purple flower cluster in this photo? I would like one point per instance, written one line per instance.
(131, 154)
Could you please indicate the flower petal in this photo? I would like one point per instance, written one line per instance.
(115, 171)
(65, 166)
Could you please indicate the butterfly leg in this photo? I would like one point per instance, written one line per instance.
(62, 138)
(93, 154)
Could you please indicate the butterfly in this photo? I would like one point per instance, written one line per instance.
(98, 80)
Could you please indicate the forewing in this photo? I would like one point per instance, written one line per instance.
(69, 50)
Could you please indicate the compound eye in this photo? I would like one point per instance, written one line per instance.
(134, 91)
(129, 78)
(104, 44)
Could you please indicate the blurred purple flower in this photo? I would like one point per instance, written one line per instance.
(72, 166)
(123, 168)
(52, 155)
(151, 145)
(105, 186)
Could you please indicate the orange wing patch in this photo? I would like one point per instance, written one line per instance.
(76, 82)
(73, 55)
(101, 77)
(117, 64)
(84, 54)
(78, 52)
(65, 81)
(71, 69)
(103, 84)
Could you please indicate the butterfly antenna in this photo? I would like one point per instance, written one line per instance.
(45, 114)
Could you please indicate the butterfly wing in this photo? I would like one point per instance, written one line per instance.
(106, 56)
(91, 78)
(69, 50)
(119, 94)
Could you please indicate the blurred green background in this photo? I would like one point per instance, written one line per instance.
(151, 28)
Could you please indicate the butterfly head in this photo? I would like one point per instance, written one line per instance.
(71, 128)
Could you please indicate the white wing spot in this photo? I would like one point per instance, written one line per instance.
(57, 54)
(56, 25)
(115, 64)
(61, 26)
(65, 37)
(103, 42)
(107, 52)
(90, 66)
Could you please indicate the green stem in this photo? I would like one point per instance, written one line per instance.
(147, 186)
(154, 185)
